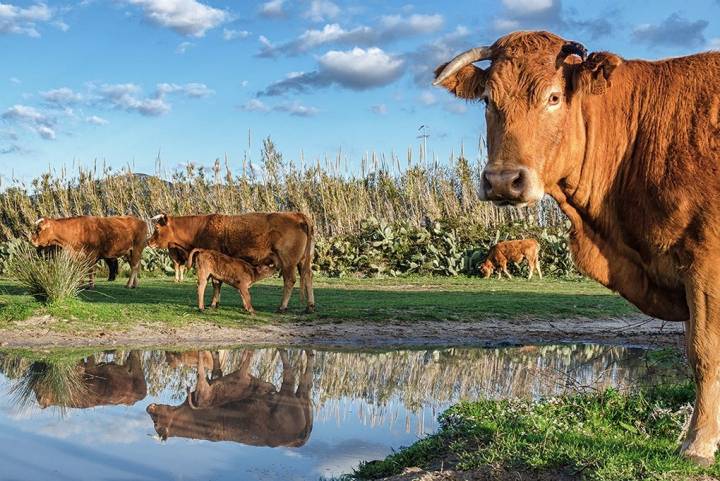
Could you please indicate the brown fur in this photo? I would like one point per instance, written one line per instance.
(632, 156)
(513, 251)
(104, 384)
(99, 237)
(221, 268)
(241, 408)
(179, 258)
(288, 236)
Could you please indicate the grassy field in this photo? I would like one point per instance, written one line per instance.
(603, 437)
(405, 299)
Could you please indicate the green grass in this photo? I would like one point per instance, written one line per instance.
(159, 300)
(603, 437)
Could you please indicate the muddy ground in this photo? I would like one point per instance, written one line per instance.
(637, 330)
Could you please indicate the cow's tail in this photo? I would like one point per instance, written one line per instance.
(306, 263)
(190, 258)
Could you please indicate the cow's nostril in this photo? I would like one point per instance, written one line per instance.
(487, 185)
(518, 182)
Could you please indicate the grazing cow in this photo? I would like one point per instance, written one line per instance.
(630, 150)
(220, 268)
(179, 258)
(285, 236)
(242, 408)
(98, 237)
(102, 384)
(513, 251)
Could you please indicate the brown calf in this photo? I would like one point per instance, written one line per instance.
(513, 251)
(179, 258)
(221, 268)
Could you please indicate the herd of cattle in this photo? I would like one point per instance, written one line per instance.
(233, 249)
(238, 250)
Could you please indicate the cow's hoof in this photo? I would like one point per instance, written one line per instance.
(281, 310)
(702, 461)
(252, 313)
(310, 309)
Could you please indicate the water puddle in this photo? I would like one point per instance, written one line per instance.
(263, 414)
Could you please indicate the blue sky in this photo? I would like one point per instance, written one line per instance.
(121, 80)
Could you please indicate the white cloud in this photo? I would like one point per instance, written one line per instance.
(183, 47)
(714, 44)
(361, 69)
(95, 120)
(455, 107)
(128, 97)
(380, 109)
(61, 25)
(389, 29)
(186, 17)
(32, 119)
(15, 80)
(294, 108)
(674, 31)
(356, 69)
(230, 34)
(273, 9)
(527, 5)
(23, 21)
(322, 10)
(61, 96)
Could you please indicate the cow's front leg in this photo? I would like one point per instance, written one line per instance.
(703, 347)
(217, 287)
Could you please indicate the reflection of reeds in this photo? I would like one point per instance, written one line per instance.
(56, 383)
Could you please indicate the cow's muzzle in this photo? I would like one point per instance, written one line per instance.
(509, 186)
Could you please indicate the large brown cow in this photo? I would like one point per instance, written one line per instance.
(99, 237)
(102, 384)
(630, 150)
(241, 408)
(284, 236)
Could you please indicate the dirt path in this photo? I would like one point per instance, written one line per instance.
(633, 331)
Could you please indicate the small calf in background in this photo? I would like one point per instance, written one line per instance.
(221, 268)
(513, 251)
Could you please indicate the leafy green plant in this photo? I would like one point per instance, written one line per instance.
(51, 276)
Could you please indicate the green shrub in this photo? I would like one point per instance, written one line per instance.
(50, 277)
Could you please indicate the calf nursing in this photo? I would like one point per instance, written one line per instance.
(221, 268)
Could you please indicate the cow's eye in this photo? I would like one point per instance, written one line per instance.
(554, 98)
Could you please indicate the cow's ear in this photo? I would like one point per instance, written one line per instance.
(160, 219)
(466, 83)
(594, 75)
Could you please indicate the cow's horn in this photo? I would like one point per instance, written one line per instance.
(465, 58)
(157, 217)
(39, 220)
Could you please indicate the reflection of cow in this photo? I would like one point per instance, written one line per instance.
(106, 383)
(192, 358)
(242, 408)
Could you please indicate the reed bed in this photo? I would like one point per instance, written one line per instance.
(338, 199)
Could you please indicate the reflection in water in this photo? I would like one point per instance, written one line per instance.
(273, 413)
(240, 407)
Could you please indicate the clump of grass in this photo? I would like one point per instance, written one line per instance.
(50, 383)
(50, 277)
(606, 436)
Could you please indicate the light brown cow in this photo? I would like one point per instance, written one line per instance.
(99, 237)
(242, 408)
(105, 383)
(630, 150)
(220, 268)
(513, 251)
(285, 236)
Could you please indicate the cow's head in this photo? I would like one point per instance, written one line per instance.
(486, 269)
(162, 417)
(42, 236)
(163, 233)
(533, 91)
